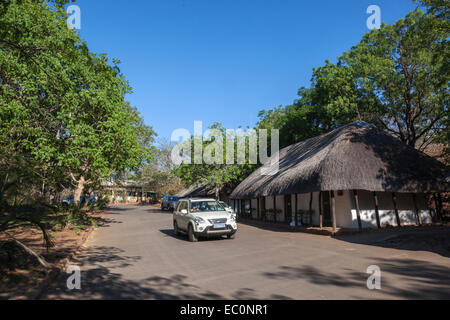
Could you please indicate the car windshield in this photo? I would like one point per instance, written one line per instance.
(206, 206)
(173, 199)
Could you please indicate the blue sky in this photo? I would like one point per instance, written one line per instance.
(223, 61)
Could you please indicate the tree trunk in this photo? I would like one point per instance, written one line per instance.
(87, 196)
(217, 193)
(79, 191)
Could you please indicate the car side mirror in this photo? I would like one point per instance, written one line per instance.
(184, 211)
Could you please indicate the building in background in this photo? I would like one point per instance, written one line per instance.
(129, 192)
(354, 177)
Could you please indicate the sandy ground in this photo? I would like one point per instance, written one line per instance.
(28, 274)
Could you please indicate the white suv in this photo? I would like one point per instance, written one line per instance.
(203, 218)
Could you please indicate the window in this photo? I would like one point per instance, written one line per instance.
(182, 206)
(206, 206)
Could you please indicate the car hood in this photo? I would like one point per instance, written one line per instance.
(212, 215)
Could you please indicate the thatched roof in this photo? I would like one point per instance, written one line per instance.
(195, 191)
(123, 184)
(356, 156)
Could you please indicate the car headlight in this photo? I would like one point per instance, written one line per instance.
(198, 220)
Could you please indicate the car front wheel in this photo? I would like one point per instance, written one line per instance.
(191, 235)
(231, 236)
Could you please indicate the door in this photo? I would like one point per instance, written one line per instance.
(288, 209)
(326, 209)
(182, 218)
(263, 208)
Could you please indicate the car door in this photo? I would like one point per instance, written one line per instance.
(176, 214)
(182, 218)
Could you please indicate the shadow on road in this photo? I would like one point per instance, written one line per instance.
(276, 228)
(120, 209)
(159, 211)
(431, 239)
(103, 282)
(171, 233)
(110, 256)
(424, 280)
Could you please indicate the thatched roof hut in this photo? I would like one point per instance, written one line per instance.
(205, 190)
(354, 177)
(357, 156)
(197, 190)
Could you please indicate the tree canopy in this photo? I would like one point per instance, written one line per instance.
(396, 78)
(64, 119)
(215, 174)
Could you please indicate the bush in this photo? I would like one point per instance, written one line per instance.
(78, 219)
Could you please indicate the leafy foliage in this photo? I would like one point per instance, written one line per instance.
(215, 174)
(396, 78)
(157, 175)
(64, 121)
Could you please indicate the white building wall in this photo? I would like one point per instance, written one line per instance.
(269, 206)
(303, 201)
(424, 209)
(344, 215)
(255, 208)
(303, 204)
(405, 205)
(280, 206)
(293, 209)
(315, 208)
(269, 203)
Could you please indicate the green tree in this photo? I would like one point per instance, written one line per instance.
(215, 174)
(397, 66)
(158, 174)
(396, 78)
(63, 112)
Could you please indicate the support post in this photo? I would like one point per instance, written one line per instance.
(296, 210)
(264, 213)
(397, 216)
(257, 208)
(310, 208)
(438, 205)
(358, 212)
(333, 210)
(430, 209)
(320, 211)
(251, 210)
(416, 207)
(377, 209)
(275, 208)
